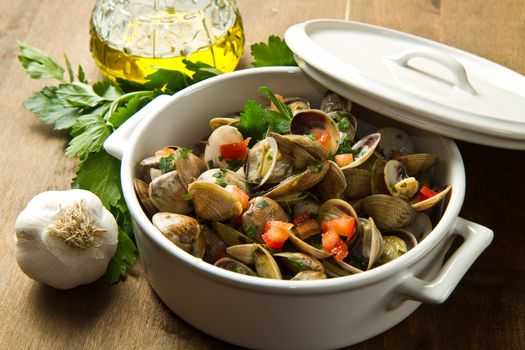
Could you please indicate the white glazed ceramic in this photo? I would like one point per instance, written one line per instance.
(270, 314)
(415, 80)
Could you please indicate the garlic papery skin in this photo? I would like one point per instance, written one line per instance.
(65, 238)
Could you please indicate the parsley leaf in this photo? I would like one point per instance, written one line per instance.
(90, 131)
(201, 70)
(100, 173)
(167, 163)
(275, 53)
(79, 95)
(123, 113)
(169, 81)
(281, 107)
(126, 255)
(38, 64)
(48, 108)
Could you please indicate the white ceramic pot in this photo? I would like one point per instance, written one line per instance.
(271, 314)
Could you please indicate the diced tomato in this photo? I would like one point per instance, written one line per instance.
(274, 107)
(344, 159)
(425, 193)
(333, 244)
(343, 226)
(166, 151)
(323, 137)
(276, 233)
(240, 194)
(236, 150)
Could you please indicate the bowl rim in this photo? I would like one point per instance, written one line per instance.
(331, 285)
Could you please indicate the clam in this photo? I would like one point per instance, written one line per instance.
(418, 163)
(301, 150)
(182, 230)
(308, 275)
(346, 124)
(234, 265)
(142, 190)
(223, 135)
(213, 202)
(188, 165)
(432, 201)
(296, 104)
(396, 243)
(215, 123)
(223, 178)
(358, 182)
(230, 235)
(388, 212)
(168, 194)
(333, 183)
(397, 181)
(371, 243)
(318, 124)
(310, 177)
(335, 209)
(260, 211)
(266, 164)
(215, 246)
(421, 226)
(265, 264)
(333, 269)
(364, 149)
(333, 102)
(297, 262)
(395, 143)
(307, 248)
(377, 179)
(307, 206)
(242, 252)
(146, 164)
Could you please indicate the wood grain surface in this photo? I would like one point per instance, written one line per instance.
(486, 310)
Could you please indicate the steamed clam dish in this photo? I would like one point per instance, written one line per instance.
(288, 191)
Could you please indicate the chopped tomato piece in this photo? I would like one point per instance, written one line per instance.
(236, 150)
(343, 226)
(323, 137)
(166, 151)
(425, 193)
(274, 107)
(344, 159)
(276, 233)
(333, 244)
(241, 196)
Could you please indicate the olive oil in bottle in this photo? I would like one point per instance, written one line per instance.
(130, 39)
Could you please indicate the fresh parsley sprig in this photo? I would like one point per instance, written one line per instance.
(90, 113)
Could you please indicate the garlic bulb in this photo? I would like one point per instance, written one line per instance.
(65, 238)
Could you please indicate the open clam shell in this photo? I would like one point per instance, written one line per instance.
(388, 212)
(358, 182)
(225, 134)
(230, 235)
(432, 201)
(333, 102)
(333, 184)
(167, 193)
(265, 264)
(142, 190)
(182, 230)
(395, 143)
(364, 149)
(418, 163)
(213, 202)
(298, 262)
(397, 181)
(235, 266)
(318, 124)
(260, 211)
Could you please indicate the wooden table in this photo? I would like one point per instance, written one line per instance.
(487, 309)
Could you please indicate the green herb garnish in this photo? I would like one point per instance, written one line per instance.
(187, 197)
(275, 53)
(184, 152)
(250, 231)
(167, 163)
(262, 204)
(220, 177)
(317, 165)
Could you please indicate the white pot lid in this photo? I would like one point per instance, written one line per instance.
(414, 80)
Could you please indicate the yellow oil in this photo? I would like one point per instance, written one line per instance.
(114, 62)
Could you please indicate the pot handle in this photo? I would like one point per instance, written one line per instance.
(117, 143)
(453, 65)
(476, 239)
